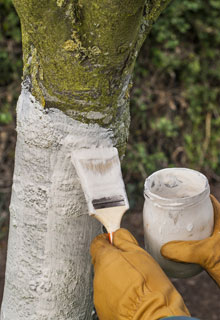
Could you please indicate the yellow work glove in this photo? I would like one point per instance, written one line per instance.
(205, 252)
(128, 282)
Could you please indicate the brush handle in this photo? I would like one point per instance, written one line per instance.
(110, 218)
(110, 234)
(110, 237)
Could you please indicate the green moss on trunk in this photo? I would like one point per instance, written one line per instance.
(80, 55)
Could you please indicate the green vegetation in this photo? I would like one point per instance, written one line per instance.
(10, 61)
(175, 98)
(10, 78)
(175, 114)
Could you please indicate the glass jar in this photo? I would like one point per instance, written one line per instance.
(177, 207)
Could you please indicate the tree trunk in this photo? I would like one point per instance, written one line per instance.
(78, 61)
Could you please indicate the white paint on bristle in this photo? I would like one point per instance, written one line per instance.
(100, 174)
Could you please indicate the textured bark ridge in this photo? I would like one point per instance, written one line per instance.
(78, 62)
(48, 267)
(80, 55)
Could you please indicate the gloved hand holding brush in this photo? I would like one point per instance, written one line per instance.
(129, 284)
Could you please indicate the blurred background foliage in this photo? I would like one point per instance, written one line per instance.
(174, 101)
(10, 60)
(10, 78)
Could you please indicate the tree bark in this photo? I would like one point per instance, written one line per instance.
(78, 61)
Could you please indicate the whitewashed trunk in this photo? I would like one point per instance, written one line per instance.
(48, 274)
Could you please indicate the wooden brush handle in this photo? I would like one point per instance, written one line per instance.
(110, 237)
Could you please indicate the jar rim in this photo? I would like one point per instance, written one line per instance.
(176, 201)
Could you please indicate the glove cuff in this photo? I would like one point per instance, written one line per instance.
(179, 318)
(154, 306)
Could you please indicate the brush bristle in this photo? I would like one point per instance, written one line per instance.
(100, 175)
(98, 166)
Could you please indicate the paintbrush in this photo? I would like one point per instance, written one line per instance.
(99, 171)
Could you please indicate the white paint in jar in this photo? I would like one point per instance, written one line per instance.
(177, 207)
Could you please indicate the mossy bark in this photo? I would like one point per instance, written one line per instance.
(80, 55)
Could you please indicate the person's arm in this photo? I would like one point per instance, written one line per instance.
(203, 252)
(129, 284)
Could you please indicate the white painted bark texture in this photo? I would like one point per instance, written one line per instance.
(48, 275)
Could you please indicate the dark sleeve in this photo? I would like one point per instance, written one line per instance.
(179, 318)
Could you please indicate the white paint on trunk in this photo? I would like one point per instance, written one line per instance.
(48, 275)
